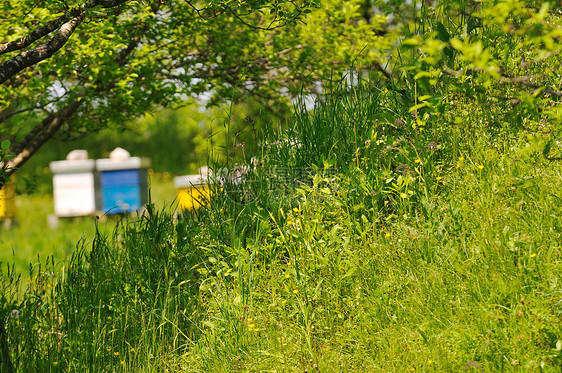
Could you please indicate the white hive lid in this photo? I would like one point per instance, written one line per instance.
(132, 163)
(65, 167)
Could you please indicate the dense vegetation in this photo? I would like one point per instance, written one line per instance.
(434, 249)
(406, 223)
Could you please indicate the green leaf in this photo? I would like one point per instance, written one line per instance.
(457, 44)
(419, 106)
(547, 148)
(442, 32)
(414, 41)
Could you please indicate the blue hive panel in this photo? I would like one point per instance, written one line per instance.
(120, 177)
(120, 199)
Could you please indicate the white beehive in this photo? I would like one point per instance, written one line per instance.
(74, 187)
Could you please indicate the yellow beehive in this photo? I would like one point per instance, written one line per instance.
(193, 191)
(7, 201)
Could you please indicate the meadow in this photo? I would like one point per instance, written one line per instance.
(362, 240)
(34, 236)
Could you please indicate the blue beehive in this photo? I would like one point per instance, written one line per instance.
(123, 183)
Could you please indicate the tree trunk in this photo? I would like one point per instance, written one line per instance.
(45, 130)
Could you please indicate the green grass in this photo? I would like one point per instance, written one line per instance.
(472, 284)
(435, 250)
(31, 239)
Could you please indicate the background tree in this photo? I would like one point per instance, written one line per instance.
(126, 58)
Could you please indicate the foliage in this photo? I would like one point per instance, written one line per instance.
(469, 286)
(138, 58)
(97, 293)
(177, 141)
(411, 223)
(466, 278)
(5, 156)
(463, 277)
(502, 54)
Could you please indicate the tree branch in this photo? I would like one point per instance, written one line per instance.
(45, 130)
(48, 127)
(268, 27)
(42, 51)
(105, 3)
(46, 50)
(10, 112)
(33, 36)
(526, 81)
(200, 12)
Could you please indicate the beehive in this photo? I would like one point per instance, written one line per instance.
(74, 187)
(7, 201)
(193, 191)
(123, 184)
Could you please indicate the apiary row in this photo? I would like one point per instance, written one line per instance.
(110, 186)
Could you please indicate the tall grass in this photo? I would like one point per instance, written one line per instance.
(360, 241)
(417, 255)
(127, 300)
